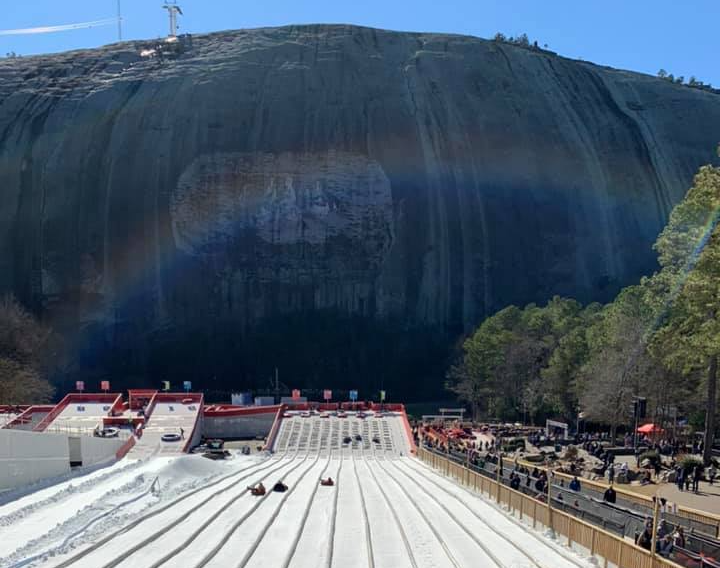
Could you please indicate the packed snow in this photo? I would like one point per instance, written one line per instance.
(187, 511)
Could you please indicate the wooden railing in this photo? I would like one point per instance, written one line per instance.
(607, 548)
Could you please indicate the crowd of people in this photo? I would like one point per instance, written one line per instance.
(665, 538)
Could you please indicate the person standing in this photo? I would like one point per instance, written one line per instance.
(610, 496)
(575, 484)
(697, 474)
(712, 472)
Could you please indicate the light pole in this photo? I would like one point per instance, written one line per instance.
(119, 19)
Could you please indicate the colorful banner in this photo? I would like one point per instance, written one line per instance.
(382, 396)
(105, 385)
(166, 385)
(327, 394)
(353, 395)
(80, 385)
(187, 385)
(296, 394)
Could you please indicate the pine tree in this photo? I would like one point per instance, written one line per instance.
(688, 336)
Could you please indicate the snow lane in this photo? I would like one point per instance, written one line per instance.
(462, 522)
(116, 545)
(164, 546)
(366, 518)
(313, 547)
(545, 552)
(349, 550)
(330, 467)
(277, 542)
(214, 531)
(429, 549)
(59, 506)
(238, 545)
(387, 533)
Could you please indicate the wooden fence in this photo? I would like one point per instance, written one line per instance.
(610, 550)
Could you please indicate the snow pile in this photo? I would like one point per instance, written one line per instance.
(66, 517)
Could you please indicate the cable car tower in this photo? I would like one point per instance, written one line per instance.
(173, 11)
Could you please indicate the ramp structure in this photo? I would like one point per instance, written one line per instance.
(364, 432)
(81, 413)
(169, 414)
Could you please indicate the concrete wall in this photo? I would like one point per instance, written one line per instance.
(96, 450)
(27, 457)
(248, 426)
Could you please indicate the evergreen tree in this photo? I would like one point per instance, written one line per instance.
(688, 335)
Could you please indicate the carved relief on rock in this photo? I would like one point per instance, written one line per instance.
(328, 211)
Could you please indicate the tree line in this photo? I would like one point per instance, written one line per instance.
(659, 339)
(691, 82)
(25, 353)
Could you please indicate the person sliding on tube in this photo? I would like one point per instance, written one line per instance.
(327, 482)
(259, 489)
(280, 487)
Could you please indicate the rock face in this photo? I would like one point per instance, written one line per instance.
(158, 197)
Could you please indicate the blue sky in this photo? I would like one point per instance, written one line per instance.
(680, 37)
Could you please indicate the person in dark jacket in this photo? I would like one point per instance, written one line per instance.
(575, 484)
(644, 539)
(610, 496)
(680, 477)
(697, 474)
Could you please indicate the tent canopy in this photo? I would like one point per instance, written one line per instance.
(649, 429)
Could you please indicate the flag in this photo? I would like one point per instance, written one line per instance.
(166, 385)
(187, 385)
(105, 385)
(80, 385)
(382, 396)
(327, 394)
(296, 394)
(353, 395)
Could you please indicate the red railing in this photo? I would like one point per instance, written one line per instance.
(125, 448)
(117, 406)
(229, 410)
(136, 397)
(408, 431)
(59, 407)
(275, 427)
(72, 398)
(196, 399)
(26, 416)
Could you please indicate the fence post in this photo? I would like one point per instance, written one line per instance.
(497, 476)
(656, 511)
(549, 501)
